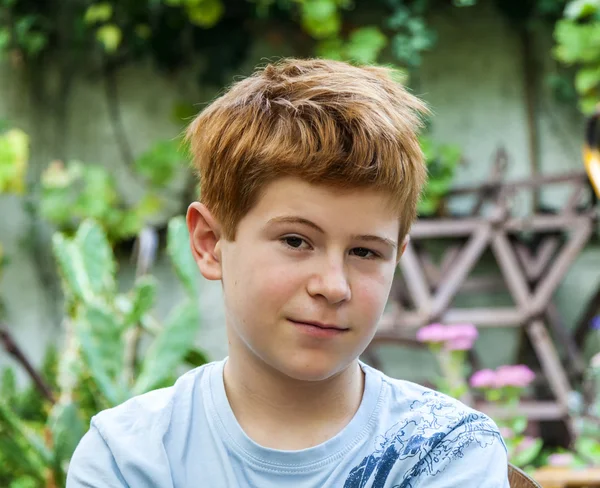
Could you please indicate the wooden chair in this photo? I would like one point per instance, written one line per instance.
(518, 479)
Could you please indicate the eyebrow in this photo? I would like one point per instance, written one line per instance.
(308, 223)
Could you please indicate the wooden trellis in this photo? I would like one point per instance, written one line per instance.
(530, 273)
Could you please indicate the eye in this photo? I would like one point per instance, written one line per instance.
(363, 252)
(295, 242)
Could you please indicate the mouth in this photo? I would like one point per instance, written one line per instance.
(319, 325)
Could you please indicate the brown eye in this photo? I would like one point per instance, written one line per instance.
(293, 241)
(363, 252)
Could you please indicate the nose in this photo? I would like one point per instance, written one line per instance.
(331, 282)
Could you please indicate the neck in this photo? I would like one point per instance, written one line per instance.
(283, 413)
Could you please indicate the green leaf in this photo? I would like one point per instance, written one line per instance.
(160, 163)
(37, 456)
(97, 256)
(206, 13)
(170, 346)
(522, 458)
(8, 386)
(4, 38)
(86, 262)
(588, 103)
(110, 36)
(588, 447)
(14, 157)
(143, 297)
(101, 337)
(98, 13)
(577, 43)
(365, 44)
(178, 248)
(519, 424)
(587, 79)
(67, 429)
(320, 18)
(331, 49)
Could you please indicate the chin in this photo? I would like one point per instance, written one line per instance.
(305, 368)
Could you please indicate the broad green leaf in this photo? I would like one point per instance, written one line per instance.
(67, 429)
(519, 424)
(589, 448)
(320, 18)
(37, 455)
(98, 13)
(102, 345)
(331, 49)
(4, 38)
(206, 13)
(523, 457)
(170, 346)
(577, 43)
(71, 268)
(14, 157)
(8, 386)
(110, 36)
(97, 257)
(160, 163)
(143, 297)
(587, 79)
(365, 44)
(178, 248)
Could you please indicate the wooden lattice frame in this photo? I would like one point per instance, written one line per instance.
(531, 278)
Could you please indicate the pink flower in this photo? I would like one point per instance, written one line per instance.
(433, 333)
(518, 376)
(458, 337)
(462, 332)
(506, 433)
(485, 378)
(561, 459)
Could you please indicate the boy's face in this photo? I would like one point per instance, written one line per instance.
(307, 277)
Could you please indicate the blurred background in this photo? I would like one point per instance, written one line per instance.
(99, 298)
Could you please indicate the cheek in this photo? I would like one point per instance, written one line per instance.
(370, 295)
(261, 282)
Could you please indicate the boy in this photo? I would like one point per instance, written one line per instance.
(310, 173)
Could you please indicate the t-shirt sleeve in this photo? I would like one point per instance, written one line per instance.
(93, 465)
(479, 463)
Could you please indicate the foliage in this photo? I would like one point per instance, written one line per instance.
(172, 31)
(101, 364)
(578, 44)
(14, 155)
(14, 158)
(442, 162)
(77, 191)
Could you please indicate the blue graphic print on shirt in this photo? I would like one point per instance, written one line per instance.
(424, 435)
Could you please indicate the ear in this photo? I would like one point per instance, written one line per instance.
(205, 236)
(402, 248)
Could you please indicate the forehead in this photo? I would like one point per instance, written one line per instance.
(358, 210)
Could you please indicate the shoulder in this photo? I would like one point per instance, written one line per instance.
(426, 419)
(421, 433)
(151, 413)
(132, 436)
(425, 408)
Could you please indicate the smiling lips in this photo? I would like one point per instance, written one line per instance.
(317, 329)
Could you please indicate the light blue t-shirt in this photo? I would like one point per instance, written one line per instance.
(186, 436)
